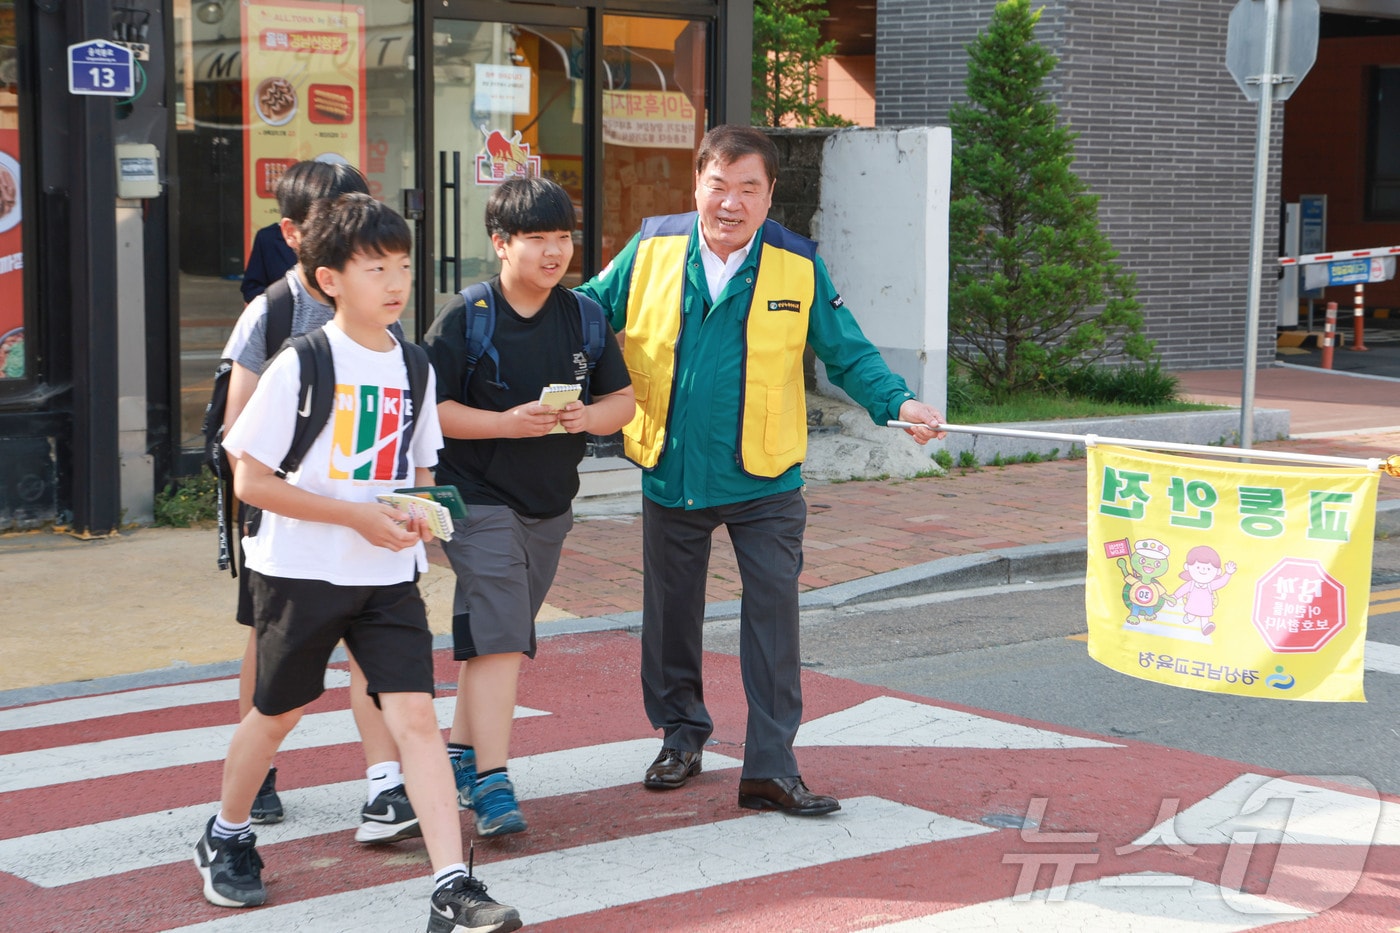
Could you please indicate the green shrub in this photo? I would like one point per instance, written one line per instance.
(189, 500)
(1131, 385)
(943, 459)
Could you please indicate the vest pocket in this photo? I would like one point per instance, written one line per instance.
(633, 430)
(782, 426)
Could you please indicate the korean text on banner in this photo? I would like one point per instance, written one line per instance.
(1227, 577)
(303, 95)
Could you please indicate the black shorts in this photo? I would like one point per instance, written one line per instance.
(299, 623)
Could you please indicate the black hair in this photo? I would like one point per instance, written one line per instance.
(307, 182)
(353, 223)
(528, 205)
(729, 142)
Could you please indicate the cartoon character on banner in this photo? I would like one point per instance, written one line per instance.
(1143, 592)
(1204, 576)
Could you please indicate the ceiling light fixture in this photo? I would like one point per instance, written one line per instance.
(211, 11)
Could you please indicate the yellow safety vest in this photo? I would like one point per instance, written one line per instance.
(773, 406)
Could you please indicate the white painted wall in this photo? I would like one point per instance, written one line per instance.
(883, 230)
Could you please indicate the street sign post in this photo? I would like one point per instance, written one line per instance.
(1254, 55)
(102, 68)
(1295, 47)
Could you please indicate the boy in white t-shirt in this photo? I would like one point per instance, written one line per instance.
(303, 185)
(330, 562)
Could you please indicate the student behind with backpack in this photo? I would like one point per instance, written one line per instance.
(293, 305)
(517, 474)
(331, 562)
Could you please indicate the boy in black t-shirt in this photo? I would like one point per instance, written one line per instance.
(517, 478)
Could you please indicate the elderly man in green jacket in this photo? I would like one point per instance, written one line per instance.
(715, 308)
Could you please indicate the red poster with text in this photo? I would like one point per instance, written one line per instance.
(11, 260)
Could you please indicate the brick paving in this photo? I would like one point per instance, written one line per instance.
(855, 529)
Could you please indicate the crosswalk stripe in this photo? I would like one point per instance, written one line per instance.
(146, 700)
(48, 766)
(1269, 810)
(1382, 657)
(67, 856)
(567, 882)
(891, 721)
(1144, 903)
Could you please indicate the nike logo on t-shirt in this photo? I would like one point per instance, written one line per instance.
(349, 463)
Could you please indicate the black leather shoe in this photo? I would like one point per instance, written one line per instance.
(787, 794)
(671, 769)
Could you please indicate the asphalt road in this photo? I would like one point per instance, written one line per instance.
(1012, 650)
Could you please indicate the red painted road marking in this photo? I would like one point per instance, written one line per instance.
(1110, 790)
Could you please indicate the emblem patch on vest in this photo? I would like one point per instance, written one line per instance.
(837, 302)
(786, 304)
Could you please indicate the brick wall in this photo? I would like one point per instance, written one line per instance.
(1166, 139)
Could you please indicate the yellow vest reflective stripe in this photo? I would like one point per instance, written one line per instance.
(772, 434)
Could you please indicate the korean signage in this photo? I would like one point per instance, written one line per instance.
(502, 89)
(102, 68)
(11, 260)
(303, 94)
(650, 119)
(1359, 271)
(1230, 578)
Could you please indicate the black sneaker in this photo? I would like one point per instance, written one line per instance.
(463, 906)
(267, 806)
(232, 869)
(389, 819)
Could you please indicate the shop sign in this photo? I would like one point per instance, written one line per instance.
(649, 119)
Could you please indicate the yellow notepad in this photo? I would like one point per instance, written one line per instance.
(438, 519)
(557, 395)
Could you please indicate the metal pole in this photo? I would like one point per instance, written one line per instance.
(1256, 239)
(1091, 440)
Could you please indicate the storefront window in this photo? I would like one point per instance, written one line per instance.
(12, 310)
(508, 100)
(1383, 159)
(261, 84)
(654, 113)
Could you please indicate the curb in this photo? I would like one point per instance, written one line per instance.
(967, 571)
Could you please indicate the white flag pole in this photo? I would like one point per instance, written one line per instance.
(1389, 464)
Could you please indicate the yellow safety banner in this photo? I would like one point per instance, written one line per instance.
(1231, 578)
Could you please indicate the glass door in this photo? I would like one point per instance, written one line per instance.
(507, 99)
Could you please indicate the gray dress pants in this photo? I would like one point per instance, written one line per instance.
(767, 538)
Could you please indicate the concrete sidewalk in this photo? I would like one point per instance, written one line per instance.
(151, 603)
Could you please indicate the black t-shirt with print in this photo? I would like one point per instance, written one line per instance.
(535, 476)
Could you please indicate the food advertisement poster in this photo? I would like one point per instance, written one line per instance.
(303, 93)
(11, 260)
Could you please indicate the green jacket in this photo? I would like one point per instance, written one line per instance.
(699, 465)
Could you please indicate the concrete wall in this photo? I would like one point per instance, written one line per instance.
(876, 200)
(1166, 141)
(883, 225)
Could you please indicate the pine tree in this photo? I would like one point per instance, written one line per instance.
(787, 51)
(1034, 293)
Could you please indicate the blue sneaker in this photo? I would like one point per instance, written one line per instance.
(464, 770)
(497, 813)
